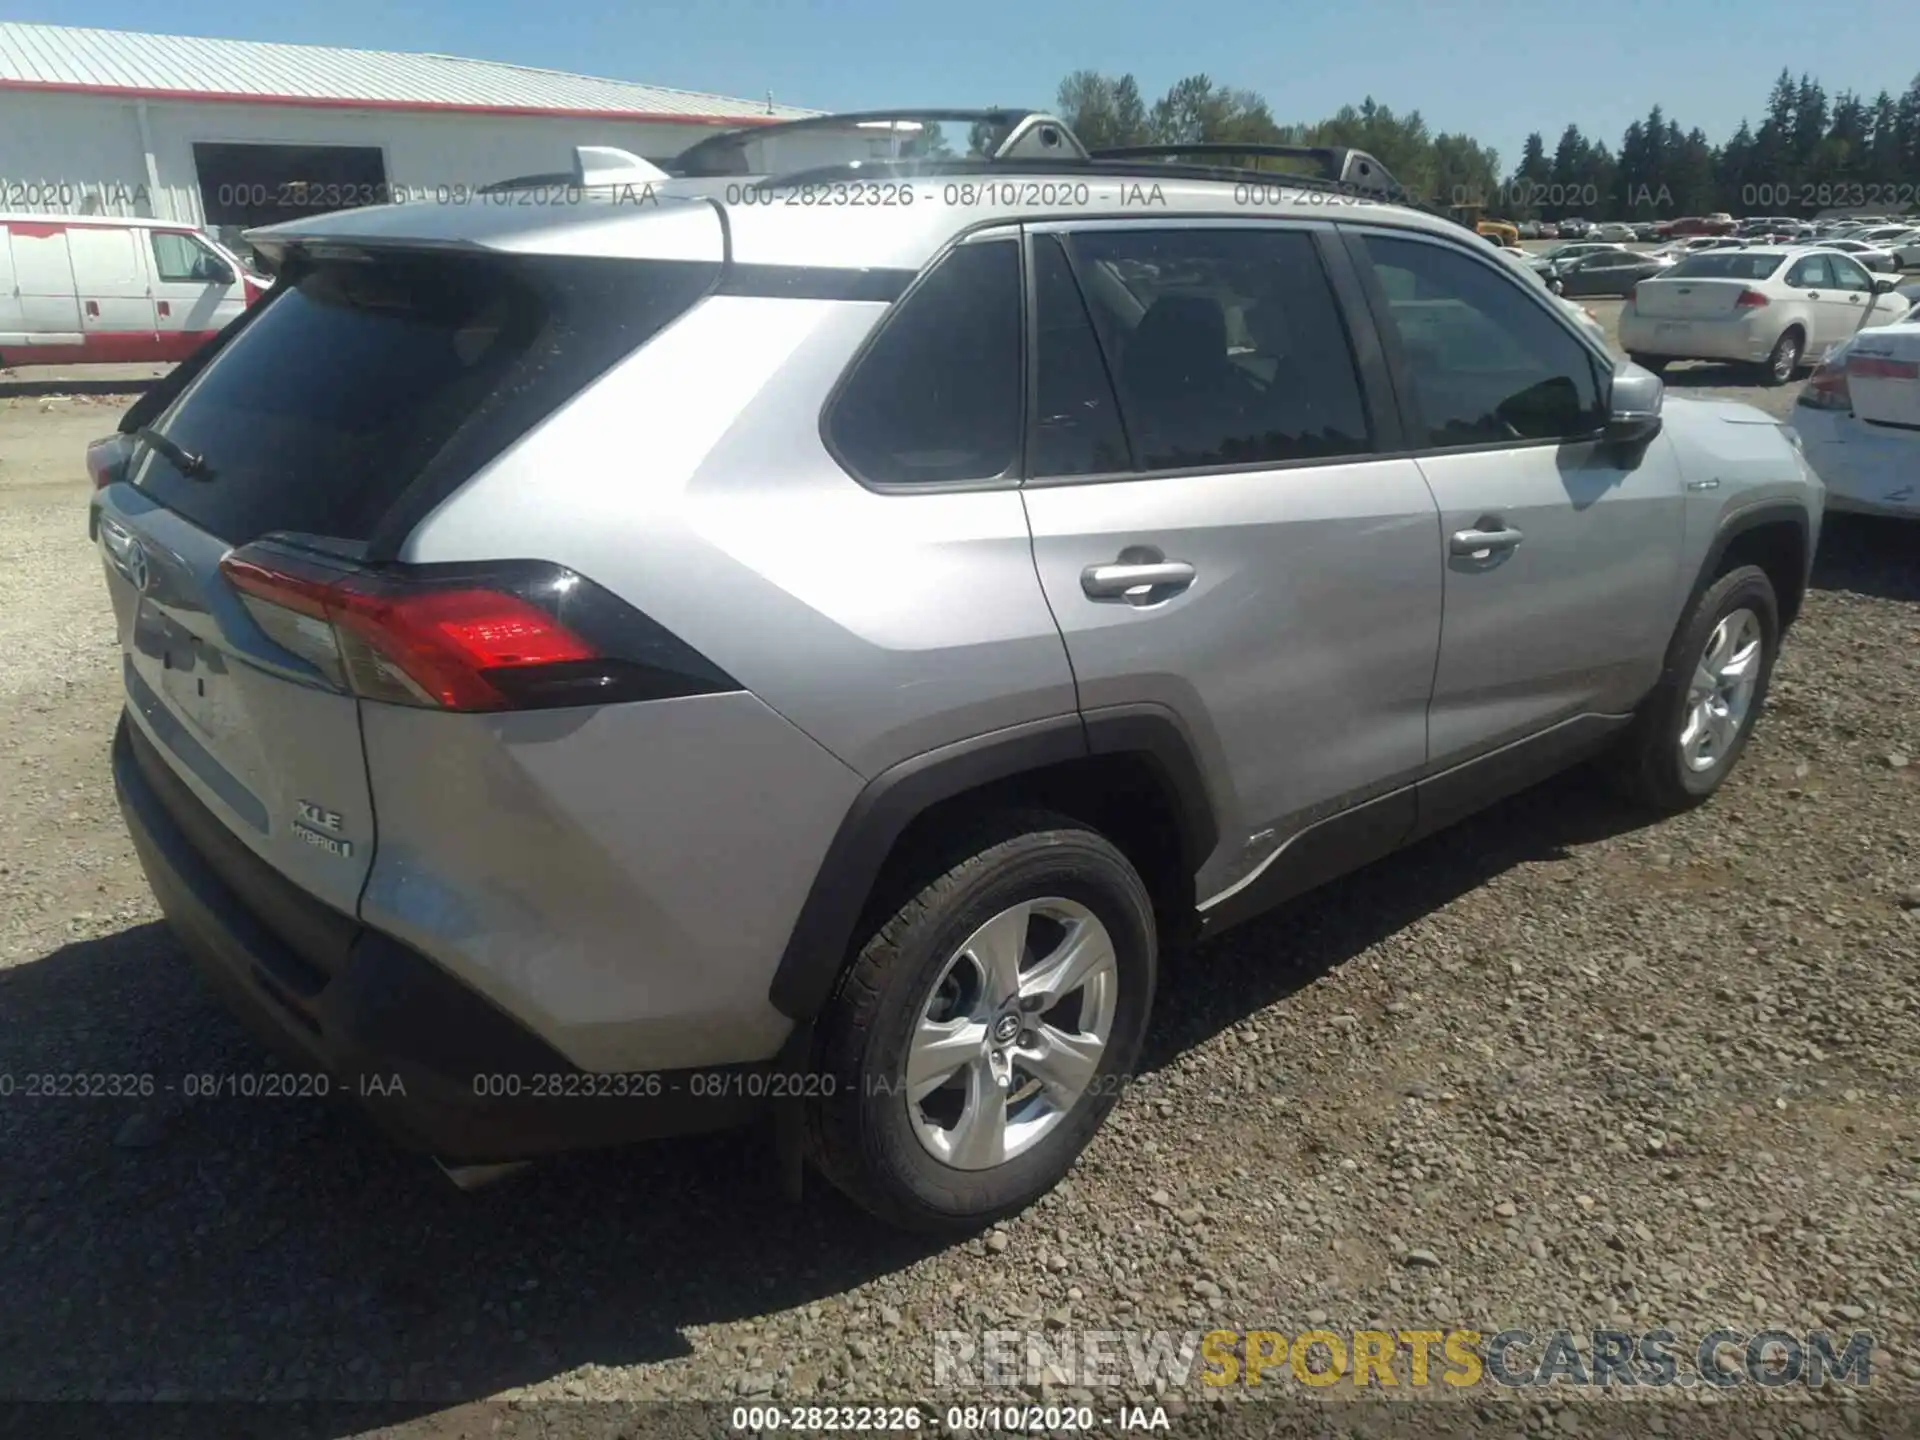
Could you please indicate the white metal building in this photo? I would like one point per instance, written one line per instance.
(230, 133)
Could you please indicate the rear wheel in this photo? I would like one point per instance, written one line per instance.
(1780, 365)
(1692, 728)
(986, 1027)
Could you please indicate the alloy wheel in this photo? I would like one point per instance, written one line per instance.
(1012, 1034)
(1720, 695)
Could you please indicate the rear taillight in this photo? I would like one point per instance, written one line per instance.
(514, 636)
(1826, 388)
(1751, 300)
(107, 460)
(1633, 293)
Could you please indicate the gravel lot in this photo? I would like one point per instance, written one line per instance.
(1556, 1067)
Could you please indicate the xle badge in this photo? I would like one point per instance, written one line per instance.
(320, 828)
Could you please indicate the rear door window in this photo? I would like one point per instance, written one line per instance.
(364, 376)
(1810, 273)
(936, 397)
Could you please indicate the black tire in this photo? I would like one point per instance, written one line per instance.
(859, 1134)
(1655, 363)
(1648, 763)
(1783, 361)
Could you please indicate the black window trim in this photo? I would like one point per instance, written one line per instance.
(1354, 237)
(1029, 235)
(1363, 341)
(997, 231)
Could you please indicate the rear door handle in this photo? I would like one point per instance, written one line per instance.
(1121, 581)
(1484, 542)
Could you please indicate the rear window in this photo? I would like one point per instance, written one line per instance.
(1725, 265)
(365, 377)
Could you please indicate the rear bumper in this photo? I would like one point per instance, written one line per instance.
(1695, 339)
(1868, 469)
(439, 1067)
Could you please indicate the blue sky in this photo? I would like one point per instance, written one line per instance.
(1493, 68)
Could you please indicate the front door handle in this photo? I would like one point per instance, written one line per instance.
(1482, 543)
(93, 309)
(1154, 579)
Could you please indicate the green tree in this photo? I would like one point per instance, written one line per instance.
(1101, 110)
(1196, 111)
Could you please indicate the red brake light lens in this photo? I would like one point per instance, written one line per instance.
(445, 642)
(1826, 388)
(107, 460)
(1751, 300)
(516, 636)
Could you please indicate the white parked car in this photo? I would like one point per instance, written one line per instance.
(1774, 308)
(1614, 233)
(79, 289)
(1871, 256)
(1858, 419)
(1905, 248)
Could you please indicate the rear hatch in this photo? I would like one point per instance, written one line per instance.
(374, 381)
(1703, 287)
(1883, 375)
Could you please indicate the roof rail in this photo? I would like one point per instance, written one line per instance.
(1354, 171)
(1008, 134)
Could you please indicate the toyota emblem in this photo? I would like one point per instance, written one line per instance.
(135, 563)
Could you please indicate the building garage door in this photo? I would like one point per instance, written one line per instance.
(245, 185)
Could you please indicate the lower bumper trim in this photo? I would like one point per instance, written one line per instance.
(435, 1063)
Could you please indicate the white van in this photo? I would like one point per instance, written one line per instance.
(79, 289)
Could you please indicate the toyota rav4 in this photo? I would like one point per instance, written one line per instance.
(668, 649)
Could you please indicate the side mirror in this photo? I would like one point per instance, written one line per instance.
(1886, 285)
(219, 273)
(1633, 408)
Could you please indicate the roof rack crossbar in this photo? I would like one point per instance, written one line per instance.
(1341, 165)
(1017, 134)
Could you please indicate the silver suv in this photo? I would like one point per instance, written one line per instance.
(640, 653)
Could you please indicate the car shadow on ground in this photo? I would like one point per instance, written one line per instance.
(1707, 374)
(1869, 555)
(240, 1246)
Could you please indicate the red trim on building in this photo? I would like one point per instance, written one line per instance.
(37, 229)
(430, 107)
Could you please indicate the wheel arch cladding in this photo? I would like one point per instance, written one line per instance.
(1773, 537)
(1129, 772)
